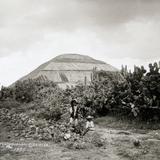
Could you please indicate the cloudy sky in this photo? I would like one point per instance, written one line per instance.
(115, 31)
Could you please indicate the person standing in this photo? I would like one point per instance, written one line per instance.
(74, 109)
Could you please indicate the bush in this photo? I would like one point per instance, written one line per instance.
(6, 93)
(25, 91)
(9, 104)
(49, 113)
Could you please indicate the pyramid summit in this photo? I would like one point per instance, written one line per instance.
(69, 69)
(75, 58)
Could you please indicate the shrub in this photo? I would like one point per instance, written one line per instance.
(9, 104)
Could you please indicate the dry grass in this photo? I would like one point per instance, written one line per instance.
(124, 123)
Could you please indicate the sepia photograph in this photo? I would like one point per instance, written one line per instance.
(79, 80)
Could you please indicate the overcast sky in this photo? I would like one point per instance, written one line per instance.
(115, 31)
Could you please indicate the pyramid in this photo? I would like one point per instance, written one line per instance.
(69, 69)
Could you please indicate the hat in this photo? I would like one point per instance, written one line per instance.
(74, 101)
(89, 117)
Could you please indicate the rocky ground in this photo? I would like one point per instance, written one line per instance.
(120, 145)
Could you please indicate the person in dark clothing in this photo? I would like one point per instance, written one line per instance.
(74, 109)
(156, 68)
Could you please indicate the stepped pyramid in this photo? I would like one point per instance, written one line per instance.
(69, 69)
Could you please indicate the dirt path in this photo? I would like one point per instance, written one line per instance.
(119, 146)
(122, 144)
(115, 140)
